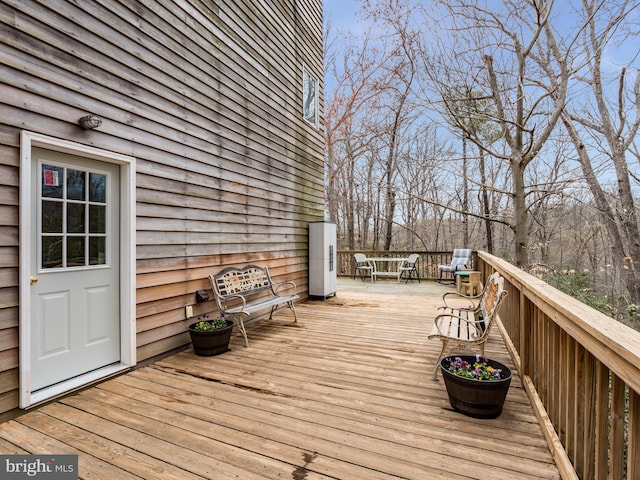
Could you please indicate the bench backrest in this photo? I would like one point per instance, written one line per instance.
(491, 298)
(241, 281)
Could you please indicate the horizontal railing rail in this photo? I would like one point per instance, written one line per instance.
(582, 371)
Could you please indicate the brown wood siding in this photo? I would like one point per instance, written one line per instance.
(207, 96)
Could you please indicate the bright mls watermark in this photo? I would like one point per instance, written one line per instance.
(51, 467)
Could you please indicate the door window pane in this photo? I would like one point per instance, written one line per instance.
(52, 181)
(52, 252)
(51, 216)
(75, 184)
(97, 219)
(75, 218)
(97, 187)
(75, 252)
(97, 251)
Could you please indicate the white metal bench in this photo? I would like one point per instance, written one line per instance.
(247, 290)
(463, 327)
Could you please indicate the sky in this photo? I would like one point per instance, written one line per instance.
(342, 14)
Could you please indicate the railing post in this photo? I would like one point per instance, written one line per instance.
(616, 429)
(601, 440)
(526, 335)
(633, 462)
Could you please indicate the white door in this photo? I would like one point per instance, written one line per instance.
(75, 262)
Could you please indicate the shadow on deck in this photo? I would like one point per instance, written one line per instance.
(344, 394)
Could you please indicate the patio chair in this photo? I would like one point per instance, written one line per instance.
(363, 266)
(461, 260)
(410, 267)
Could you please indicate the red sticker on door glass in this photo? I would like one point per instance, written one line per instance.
(51, 178)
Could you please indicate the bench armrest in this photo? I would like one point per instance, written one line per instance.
(228, 298)
(284, 285)
(459, 296)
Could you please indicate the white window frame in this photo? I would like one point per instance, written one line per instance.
(309, 89)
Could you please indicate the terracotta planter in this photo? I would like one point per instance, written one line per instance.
(212, 342)
(476, 398)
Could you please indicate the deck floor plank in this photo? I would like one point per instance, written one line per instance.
(223, 423)
(41, 434)
(345, 393)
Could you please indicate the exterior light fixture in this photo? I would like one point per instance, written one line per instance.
(90, 122)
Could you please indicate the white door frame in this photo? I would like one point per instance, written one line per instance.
(127, 263)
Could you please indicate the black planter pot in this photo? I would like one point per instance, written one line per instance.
(212, 342)
(476, 398)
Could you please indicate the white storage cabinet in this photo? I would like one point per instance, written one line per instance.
(322, 259)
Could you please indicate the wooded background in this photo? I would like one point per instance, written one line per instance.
(507, 126)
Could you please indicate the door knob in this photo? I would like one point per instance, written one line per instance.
(33, 279)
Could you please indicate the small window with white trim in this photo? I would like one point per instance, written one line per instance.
(309, 97)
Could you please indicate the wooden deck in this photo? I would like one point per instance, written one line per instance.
(344, 394)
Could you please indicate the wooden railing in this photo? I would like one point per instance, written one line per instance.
(580, 368)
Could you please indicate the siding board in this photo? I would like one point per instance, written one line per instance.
(9, 172)
(8, 380)
(8, 339)
(8, 215)
(8, 318)
(8, 255)
(8, 276)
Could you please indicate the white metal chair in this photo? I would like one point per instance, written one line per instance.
(461, 260)
(410, 267)
(363, 266)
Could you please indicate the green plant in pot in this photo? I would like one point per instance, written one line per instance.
(211, 336)
(476, 386)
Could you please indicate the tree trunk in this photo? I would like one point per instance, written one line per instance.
(350, 206)
(390, 205)
(331, 190)
(607, 213)
(520, 213)
(465, 194)
(629, 223)
(488, 224)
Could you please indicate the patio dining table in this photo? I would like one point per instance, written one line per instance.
(387, 272)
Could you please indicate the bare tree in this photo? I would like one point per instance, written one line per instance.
(420, 173)
(495, 43)
(472, 111)
(388, 187)
(355, 79)
(610, 122)
(392, 19)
